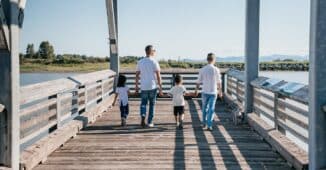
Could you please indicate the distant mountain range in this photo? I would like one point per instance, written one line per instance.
(261, 58)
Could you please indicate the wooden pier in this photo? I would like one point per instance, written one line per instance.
(39, 120)
(69, 124)
(106, 145)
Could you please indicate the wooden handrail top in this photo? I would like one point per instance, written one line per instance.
(172, 71)
(39, 91)
(89, 78)
(43, 90)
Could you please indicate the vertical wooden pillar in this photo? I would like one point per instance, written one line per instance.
(11, 20)
(317, 86)
(252, 50)
(112, 15)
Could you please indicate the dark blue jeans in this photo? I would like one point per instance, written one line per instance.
(124, 110)
(148, 96)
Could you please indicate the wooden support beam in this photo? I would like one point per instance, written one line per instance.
(9, 91)
(112, 16)
(317, 90)
(252, 50)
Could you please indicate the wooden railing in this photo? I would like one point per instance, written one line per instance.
(284, 106)
(190, 77)
(235, 85)
(48, 107)
(279, 104)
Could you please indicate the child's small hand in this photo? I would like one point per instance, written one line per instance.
(196, 94)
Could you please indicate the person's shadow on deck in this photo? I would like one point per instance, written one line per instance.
(250, 150)
(205, 153)
(225, 148)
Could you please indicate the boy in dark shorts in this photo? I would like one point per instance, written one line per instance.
(178, 92)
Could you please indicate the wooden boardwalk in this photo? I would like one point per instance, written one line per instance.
(106, 145)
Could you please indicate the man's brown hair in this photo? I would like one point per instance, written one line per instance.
(148, 49)
(210, 57)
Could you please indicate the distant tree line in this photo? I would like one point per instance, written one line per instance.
(46, 55)
(285, 65)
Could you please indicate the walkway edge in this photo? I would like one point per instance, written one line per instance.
(38, 152)
(296, 156)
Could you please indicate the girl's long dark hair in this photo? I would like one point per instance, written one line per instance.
(122, 80)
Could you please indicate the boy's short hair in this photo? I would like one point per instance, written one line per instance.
(178, 78)
(148, 48)
(210, 57)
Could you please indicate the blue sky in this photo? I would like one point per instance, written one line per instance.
(186, 28)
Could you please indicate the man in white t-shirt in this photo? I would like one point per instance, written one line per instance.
(148, 71)
(210, 78)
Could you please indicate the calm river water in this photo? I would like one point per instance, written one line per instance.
(293, 76)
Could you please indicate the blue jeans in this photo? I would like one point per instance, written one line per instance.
(208, 108)
(124, 110)
(148, 96)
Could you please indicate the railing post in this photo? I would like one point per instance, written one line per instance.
(172, 81)
(227, 84)
(11, 21)
(252, 50)
(237, 90)
(276, 96)
(102, 90)
(86, 98)
(317, 90)
(58, 97)
(223, 82)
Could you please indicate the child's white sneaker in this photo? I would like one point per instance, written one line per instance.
(151, 125)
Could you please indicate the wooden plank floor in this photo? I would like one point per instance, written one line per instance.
(106, 145)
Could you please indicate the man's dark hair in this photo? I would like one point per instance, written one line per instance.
(148, 49)
(177, 78)
(210, 57)
(122, 80)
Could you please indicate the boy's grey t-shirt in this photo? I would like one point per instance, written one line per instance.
(178, 95)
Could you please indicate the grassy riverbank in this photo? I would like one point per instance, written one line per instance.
(96, 66)
(65, 68)
(60, 68)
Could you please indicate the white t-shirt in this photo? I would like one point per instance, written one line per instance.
(123, 95)
(209, 76)
(148, 68)
(178, 92)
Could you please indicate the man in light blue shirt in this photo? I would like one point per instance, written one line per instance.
(210, 78)
(148, 71)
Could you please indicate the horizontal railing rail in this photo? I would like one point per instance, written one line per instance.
(45, 107)
(190, 77)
